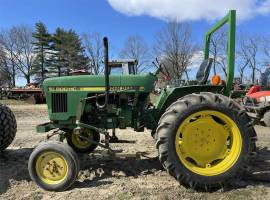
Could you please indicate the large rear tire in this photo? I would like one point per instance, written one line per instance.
(8, 127)
(205, 141)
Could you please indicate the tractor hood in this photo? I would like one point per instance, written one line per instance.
(96, 83)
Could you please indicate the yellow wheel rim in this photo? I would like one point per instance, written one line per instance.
(81, 143)
(208, 143)
(51, 168)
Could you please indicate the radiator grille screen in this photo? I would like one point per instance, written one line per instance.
(59, 102)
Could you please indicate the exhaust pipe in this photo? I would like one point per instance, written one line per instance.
(106, 73)
(106, 63)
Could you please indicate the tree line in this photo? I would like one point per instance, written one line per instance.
(37, 54)
(251, 57)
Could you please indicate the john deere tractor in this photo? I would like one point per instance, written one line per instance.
(204, 139)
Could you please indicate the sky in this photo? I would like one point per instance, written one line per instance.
(119, 18)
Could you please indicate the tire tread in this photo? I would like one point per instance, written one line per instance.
(168, 122)
(8, 127)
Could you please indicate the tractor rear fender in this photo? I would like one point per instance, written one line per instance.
(168, 96)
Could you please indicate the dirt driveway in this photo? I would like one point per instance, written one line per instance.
(102, 178)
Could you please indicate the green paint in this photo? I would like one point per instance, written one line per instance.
(79, 87)
(72, 100)
(231, 20)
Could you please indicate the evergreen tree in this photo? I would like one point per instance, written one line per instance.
(68, 52)
(60, 63)
(43, 49)
(75, 51)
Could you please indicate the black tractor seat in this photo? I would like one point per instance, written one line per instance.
(204, 71)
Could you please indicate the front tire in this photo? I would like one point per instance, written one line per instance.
(53, 166)
(80, 145)
(205, 141)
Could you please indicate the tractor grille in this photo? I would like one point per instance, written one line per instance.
(59, 102)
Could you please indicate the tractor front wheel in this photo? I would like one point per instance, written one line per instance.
(53, 166)
(81, 145)
(205, 141)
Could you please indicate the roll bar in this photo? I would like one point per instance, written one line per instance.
(229, 19)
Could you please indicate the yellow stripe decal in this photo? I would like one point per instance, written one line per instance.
(95, 89)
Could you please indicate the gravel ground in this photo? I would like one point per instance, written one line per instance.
(106, 178)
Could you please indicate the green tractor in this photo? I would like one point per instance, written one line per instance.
(204, 139)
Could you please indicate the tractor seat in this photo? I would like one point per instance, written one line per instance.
(204, 70)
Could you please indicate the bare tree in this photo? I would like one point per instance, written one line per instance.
(94, 50)
(174, 47)
(17, 43)
(248, 55)
(24, 56)
(5, 75)
(135, 47)
(8, 42)
(242, 57)
(249, 49)
(219, 51)
(253, 52)
(266, 50)
(242, 61)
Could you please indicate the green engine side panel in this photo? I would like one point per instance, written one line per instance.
(79, 87)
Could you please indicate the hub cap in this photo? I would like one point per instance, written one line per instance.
(208, 142)
(51, 168)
